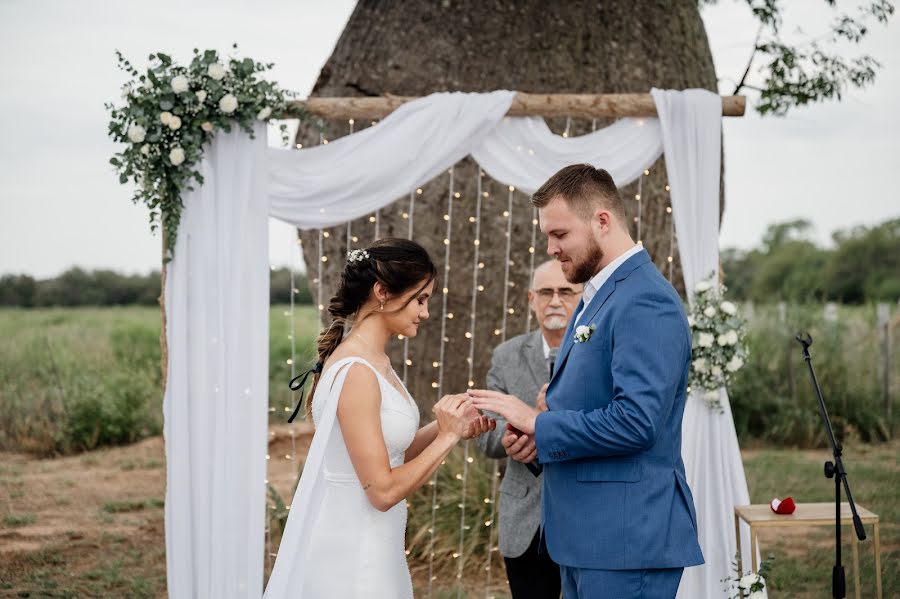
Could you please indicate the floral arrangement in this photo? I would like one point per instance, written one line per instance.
(751, 586)
(171, 111)
(718, 349)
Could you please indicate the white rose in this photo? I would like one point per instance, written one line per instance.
(747, 580)
(179, 84)
(734, 364)
(700, 365)
(145, 149)
(710, 311)
(582, 330)
(691, 321)
(716, 371)
(722, 340)
(207, 126)
(264, 114)
(201, 95)
(732, 337)
(164, 117)
(216, 71)
(148, 85)
(702, 286)
(728, 308)
(136, 134)
(175, 123)
(228, 104)
(176, 156)
(706, 340)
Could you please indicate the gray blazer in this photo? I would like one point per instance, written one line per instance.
(518, 367)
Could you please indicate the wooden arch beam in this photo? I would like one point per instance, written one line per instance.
(524, 104)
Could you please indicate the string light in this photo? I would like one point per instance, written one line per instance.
(495, 472)
(473, 308)
(534, 222)
(439, 383)
(409, 233)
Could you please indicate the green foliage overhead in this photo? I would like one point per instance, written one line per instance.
(796, 74)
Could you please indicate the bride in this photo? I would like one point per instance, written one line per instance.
(345, 535)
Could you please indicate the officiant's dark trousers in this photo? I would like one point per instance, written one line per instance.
(533, 575)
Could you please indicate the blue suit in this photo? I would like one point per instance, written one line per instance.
(615, 497)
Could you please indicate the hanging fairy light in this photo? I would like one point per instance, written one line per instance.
(532, 250)
(440, 377)
(495, 471)
(409, 234)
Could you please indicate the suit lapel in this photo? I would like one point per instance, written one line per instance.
(534, 356)
(625, 269)
(567, 341)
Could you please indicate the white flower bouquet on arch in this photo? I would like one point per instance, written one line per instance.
(718, 348)
(170, 111)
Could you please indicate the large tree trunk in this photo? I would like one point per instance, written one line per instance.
(577, 46)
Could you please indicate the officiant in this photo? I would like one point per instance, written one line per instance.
(521, 367)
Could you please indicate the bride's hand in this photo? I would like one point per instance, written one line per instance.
(478, 426)
(451, 414)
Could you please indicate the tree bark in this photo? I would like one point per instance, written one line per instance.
(574, 47)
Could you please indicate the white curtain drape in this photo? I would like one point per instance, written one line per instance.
(216, 401)
(692, 132)
(217, 289)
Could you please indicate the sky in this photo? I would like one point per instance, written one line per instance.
(61, 204)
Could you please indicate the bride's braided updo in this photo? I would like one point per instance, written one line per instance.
(398, 264)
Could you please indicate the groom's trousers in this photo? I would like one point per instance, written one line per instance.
(585, 583)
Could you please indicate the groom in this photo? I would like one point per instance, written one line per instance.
(617, 512)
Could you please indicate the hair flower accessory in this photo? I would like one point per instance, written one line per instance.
(357, 255)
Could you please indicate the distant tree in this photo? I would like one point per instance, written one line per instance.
(865, 265)
(17, 290)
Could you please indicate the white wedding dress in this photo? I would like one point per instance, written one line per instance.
(336, 545)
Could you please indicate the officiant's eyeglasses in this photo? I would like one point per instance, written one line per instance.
(566, 294)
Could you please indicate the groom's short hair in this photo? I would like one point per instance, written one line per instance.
(583, 188)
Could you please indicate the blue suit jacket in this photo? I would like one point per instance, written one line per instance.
(615, 495)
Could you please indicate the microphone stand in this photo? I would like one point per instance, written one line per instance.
(836, 471)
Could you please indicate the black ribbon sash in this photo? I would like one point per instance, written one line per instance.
(297, 386)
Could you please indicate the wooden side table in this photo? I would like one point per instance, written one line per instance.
(809, 514)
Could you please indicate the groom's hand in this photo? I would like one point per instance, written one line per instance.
(517, 412)
(519, 446)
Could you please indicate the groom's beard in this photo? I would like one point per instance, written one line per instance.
(585, 270)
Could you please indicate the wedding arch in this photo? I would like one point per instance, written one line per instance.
(216, 287)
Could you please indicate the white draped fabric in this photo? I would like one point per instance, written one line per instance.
(217, 289)
(712, 458)
(216, 402)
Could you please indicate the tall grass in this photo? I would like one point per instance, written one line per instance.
(772, 397)
(74, 379)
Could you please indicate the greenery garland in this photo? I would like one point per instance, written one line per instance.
(171, 111)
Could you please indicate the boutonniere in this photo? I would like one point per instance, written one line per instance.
(584, 332)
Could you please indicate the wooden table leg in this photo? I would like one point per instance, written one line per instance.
(753, 565)
(854, 542)
(877, 561)
(737, 536)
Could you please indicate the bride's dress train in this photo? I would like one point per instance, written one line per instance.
(336, 544)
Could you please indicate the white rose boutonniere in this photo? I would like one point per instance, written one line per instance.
(179, 84)
(216, 71)
(228, 104)
(584, 332)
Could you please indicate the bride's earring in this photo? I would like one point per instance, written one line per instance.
(381, 307)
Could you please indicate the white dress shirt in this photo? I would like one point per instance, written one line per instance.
(593, 286)
(546, 347)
